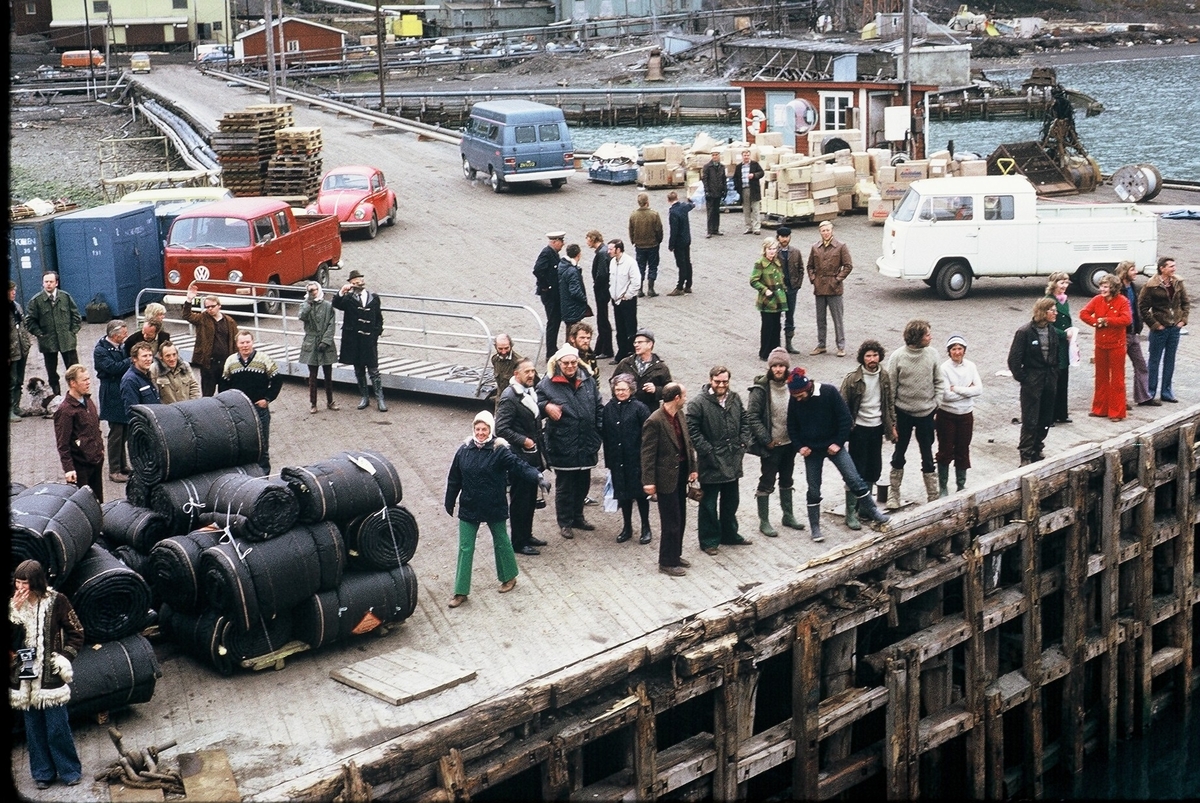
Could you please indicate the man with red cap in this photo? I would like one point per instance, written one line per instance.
(819, 426)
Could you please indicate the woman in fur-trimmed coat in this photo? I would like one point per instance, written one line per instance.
(43, 621)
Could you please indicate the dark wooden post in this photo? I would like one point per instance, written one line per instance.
(1185, 546)
(977, 677)
(1144, 601)
(806, 701)
(645, 750)
(1031, 587)
(1110, 550)
(1074, 627)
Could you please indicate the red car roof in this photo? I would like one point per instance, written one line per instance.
(359, 169)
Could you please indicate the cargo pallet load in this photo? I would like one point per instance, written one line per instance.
(245, 142)
(613, 164)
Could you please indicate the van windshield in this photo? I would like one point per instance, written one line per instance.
(907, 206)
(210, 232)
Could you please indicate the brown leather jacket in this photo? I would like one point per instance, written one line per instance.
(206, 329)
(828, 267)
(660, 451)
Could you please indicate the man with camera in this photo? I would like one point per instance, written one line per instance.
(362, 326)
(518, 421)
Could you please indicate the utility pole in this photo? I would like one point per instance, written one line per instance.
(379, 54)
(87, 38)
(282, 46)
(908, 8)
(267, 35)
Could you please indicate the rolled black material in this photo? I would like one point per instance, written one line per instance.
(124, 524)
(384, 539)
(201, 635)
(269, 506)
(112, 600)
(183, 500)
(138, 561)
(253, 582)
(170, 441)
(54, 524)
(362, 602)
(113, 675)
(340, 488)
(175, 569)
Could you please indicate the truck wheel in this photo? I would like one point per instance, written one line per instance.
(468, 171)
(557, 183)
(392, 215)
(954, 280)
(372, 227)
(322, 277)
(1088, 277)
(495, 180)
(271, 303)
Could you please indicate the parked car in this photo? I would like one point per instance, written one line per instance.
(359, 197)
(515, 141)
(252, 240)
(139, 62)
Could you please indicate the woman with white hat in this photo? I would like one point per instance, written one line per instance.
(477, 481)
(955, 416)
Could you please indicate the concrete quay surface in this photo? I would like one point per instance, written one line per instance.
(456, 238)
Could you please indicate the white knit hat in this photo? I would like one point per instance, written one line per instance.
(485, 417)
(956, 340)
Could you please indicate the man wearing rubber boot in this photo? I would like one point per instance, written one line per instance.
(766, 413)
(868, 393)
(916, 378)
(716, 422)
(362, 325)
(819, 426)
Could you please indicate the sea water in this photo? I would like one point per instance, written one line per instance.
(1151, 116)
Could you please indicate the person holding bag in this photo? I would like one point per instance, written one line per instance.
(46, 636)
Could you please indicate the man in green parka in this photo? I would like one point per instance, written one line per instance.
(53, 318)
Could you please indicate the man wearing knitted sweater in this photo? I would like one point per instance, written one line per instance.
(255, 374)
(917, 382)
(818, 423)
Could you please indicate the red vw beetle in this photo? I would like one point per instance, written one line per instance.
(360, 198)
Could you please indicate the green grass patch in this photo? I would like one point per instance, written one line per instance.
(24, 184)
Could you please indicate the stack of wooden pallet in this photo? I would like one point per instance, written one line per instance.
(295, 168)
(245, 141)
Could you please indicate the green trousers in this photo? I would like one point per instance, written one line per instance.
(506, 561)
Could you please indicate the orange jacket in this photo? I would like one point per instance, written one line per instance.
(1111, 317)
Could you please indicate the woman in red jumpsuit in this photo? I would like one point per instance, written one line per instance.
(1109, 312)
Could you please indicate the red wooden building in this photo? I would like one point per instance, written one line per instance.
(303, 40)
(810, 113)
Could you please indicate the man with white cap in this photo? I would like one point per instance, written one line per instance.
(545, 274)
(570, 400)
(819, 426)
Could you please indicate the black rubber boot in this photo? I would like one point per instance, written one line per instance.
(869, 511)
(814, 522)
(365, 390)
(377, 384)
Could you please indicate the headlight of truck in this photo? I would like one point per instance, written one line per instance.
(173, 277)
(360, 213)
(235, 275)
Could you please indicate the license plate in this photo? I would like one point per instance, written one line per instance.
(524, 165)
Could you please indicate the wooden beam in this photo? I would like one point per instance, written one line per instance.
(1144, 587)
(1074, 629)
(806, 702)
(1031, 631)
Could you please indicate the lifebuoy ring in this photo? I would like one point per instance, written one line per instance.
(756, 123)
(804, 115)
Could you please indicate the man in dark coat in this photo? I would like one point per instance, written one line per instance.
(518, 421)
(216, 339)
(136, 385)
(720, 433)
(569, 399)
(53, 318)
(362, 325)
(747, 178)
(712, 176)
(1033, 361)
(545, 275)
(792, 261)
(77, 434)
(679, 242)
(110, 362)
(819, 426)
(600, 276)
(651, 372)
(668, 465)
(572, 295)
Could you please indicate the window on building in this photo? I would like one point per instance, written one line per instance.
(31, 9)
(218, 25)
(293, 45)
(179, 4)
(835, 110)
(101, 6)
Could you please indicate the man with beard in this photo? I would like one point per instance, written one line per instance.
(872, 403)
(518, 422)
(766, 415)
(716, 422)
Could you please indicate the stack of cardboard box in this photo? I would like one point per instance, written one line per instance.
(893, 181)
(663, 165)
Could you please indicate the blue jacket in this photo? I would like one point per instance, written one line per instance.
(820, 420)
(681, 227)
(573, 441)
(479, 478)
(110, 363)
(572, 295)
(138, 388)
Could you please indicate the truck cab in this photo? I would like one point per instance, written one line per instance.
(950, 231)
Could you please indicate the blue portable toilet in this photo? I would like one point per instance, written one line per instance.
(31, 253)
(111, 252)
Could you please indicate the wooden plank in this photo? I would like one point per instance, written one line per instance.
(1164, 659)
(709, 654)
(914, 585)
(1074, 629)
(1003, 606)
(806, 701)
(849, 706)
(1185, 511)
(1144, 587)
(1031, 631)
(618, 786)
(937, 729)
(896, 757)
(619, 714)
(682, 763)
(207, 775)
(839, 778)
(1110, 537)
(402, 676)
(977, 674)
(645, 750)
(764, 750)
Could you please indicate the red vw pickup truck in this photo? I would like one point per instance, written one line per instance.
(254, 240)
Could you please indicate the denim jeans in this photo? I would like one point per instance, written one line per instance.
(1163, 345)
(647, 259)
(51, 745)
(843, 463)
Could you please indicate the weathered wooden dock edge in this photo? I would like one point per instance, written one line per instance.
(1060, 601)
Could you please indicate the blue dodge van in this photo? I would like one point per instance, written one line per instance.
(514, 141)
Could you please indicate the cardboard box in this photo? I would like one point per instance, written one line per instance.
(915, 170)
(845, 202)
(878, 209)
(654, 174)
(972, 167)
(772, 138)
(885, 175)
(892, 190)
(800, 208)
(825, 195)
(862, 163)
(937, 168)
(880, 158)
(795, 192)
(655, 152)
(844, 176)
(673, 153)
(823, 181)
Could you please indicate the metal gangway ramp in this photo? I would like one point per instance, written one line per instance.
(439, 346)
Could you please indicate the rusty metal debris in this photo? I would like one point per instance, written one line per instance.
(139, 769)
